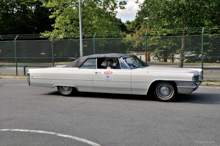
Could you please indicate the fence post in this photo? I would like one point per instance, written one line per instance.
(146, 47)
(202, 46)
(16, 54)
(94, 42)
(53, 50)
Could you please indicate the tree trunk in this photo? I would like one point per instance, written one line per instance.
(182, 50)
(165, 55)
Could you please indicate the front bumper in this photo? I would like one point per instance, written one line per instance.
(188, 89)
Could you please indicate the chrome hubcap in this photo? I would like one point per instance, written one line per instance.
(65, 90)
(164, 90)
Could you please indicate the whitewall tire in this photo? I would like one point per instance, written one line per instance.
(65, 90)
(165, 91)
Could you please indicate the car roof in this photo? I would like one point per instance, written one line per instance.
(78, 62)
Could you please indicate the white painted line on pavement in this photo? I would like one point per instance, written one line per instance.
(52, 133)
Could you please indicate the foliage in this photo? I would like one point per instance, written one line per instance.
(167, 14)
(97, 16)
(170, 14)
(132, 25)
(211, 48)
(24, 17)
(122, 25)
(135, 42)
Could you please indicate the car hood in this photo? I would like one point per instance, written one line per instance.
(171, 69)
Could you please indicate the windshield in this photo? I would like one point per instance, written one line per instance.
(134, 62)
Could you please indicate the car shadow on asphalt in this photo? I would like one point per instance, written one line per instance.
(195, 98)
(107, 96)
(199, 98)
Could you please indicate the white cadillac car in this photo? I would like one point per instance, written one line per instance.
(127, 74)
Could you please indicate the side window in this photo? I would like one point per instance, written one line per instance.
(102, 62)
(89, 64)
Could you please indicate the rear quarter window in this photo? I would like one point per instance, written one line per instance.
(89, 64)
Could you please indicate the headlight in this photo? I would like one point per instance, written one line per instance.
(193, 78)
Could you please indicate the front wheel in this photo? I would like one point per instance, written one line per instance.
(165, 91)
(65, 90)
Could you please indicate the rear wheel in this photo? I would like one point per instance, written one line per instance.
(165, 91)
(65, 90)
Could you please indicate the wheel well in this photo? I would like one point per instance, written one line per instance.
(74, 88)
(153, 85)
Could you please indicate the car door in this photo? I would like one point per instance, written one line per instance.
(112, 80)
(84, 75)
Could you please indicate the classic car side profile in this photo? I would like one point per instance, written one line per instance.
(117, 73)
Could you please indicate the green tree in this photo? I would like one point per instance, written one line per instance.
(97, 16)
(132, 25)
(24, 17)
(167, 14)
(122, 26)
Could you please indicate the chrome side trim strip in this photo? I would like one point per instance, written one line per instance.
(111, 81)
(191, 87)
(81, 79)
(139, 82)
(64, 79)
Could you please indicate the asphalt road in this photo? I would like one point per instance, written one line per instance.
(41, 117)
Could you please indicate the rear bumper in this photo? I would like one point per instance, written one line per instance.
(188, 89)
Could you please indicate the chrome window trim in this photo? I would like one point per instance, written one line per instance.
(96, 63)
(120, 60)
(123, 61)
(119, 63)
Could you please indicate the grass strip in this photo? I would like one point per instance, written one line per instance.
(211, 81)
(14, 75)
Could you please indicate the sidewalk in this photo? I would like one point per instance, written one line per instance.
(210, 84)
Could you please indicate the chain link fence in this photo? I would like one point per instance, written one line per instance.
(162, 51)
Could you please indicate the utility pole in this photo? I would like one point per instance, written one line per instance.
(80, 29)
